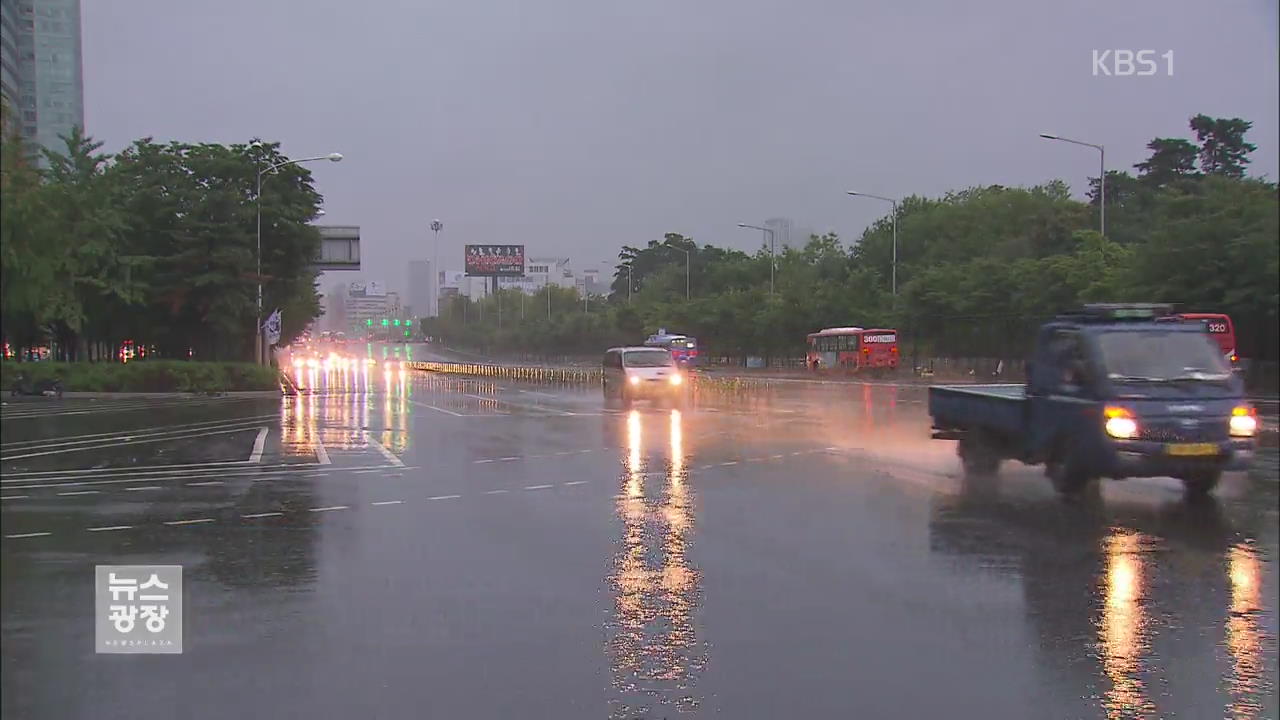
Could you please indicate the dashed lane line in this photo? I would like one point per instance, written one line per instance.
(109, 528)
(195, 521)
(13, 497)
(496, 492)
(79, 492)
(206, 483)
(125, 442)
(143, 487)
(328, 508)
(537, 487)
(15, 536)
(444, 497)
(577, 482)
(253, 516)
(388, 502)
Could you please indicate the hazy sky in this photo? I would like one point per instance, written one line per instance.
(577, 126)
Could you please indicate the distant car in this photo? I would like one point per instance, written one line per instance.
(630, 373)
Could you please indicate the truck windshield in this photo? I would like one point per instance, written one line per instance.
(1161, 356)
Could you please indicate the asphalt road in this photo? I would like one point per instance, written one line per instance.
(420, 546)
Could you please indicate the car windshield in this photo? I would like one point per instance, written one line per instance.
(1159, 356)
(647, 358)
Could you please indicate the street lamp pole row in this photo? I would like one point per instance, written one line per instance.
(260, 344)
(894, 202)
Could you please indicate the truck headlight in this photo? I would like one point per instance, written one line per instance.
(1244, 421)
(676, 379)
(635, 379)
(1120, 423)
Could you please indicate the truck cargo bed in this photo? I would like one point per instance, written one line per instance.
(997, 408)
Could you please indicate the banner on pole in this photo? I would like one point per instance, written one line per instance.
(272, 328)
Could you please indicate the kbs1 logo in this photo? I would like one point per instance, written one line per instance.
(1125, 63)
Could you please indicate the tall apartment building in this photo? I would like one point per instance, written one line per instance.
(41, 75)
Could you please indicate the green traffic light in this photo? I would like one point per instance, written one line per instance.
(406, 333)
(397, 322)
(368, 322)
(407, 323)
(384, 322)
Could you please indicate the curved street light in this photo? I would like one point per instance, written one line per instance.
(894, 272)
(259, 344)
(773, 258)
(1102, 176)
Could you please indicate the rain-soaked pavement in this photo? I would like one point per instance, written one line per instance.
(408, 546)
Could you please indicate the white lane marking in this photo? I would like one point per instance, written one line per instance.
(439, 409)
(731, 462)
(322, 456)
(225, 474)
(143, 487)
(80, 492)
(509, 459)
(576, 482)
(135, 471)
(798, 452)
(582, 452)
(13, 497)
(27, 535)
(262, 515)
(258, 443)
(387, 502)
(566, 452)
(496, 492)
(207, 482)
(536, 487)
(139, 432)
(363, 472)
(386, 452)
(189, 522)
(327, 509)
(316, 474)
(444, 497)
(109, 528)
(539, 408)
(482, 462)
(776, 457)
(127, 442)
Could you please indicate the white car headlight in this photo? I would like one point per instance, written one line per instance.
(1244, 422)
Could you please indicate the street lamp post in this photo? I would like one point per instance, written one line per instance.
(687, 259)
(894, 271)
(1102, 177)
(436, 226)
(260, 344)
(773, 260)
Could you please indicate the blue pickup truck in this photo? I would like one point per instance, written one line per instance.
(1112, 392)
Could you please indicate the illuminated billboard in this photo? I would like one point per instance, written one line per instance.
(495, 260)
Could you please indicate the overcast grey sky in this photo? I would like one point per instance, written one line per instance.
(577, 126)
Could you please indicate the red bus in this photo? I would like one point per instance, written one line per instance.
(853, 349)
(1220, 329)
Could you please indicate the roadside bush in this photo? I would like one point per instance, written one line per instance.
(144, 376)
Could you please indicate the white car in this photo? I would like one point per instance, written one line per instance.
(642, 372)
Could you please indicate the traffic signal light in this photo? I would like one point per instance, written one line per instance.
(368, 322)
(406, 333)
(408, 323)
(384, 322)
(396, 322)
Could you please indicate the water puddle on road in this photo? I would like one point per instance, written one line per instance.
(655, 655)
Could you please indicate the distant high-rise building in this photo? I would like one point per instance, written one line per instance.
(781, 228)
(41, 76)
(421, 287)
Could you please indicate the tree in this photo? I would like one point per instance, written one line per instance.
(1171, 159)
(1223, 150)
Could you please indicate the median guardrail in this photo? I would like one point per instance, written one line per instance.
(731, 385)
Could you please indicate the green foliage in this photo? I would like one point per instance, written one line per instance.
(1223, 150)
(145, 376)
(156, 244)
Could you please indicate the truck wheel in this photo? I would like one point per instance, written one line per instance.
(1201, 483)
(977, 456)
(1066, 477)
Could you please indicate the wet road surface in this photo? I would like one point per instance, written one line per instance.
(420, 546)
